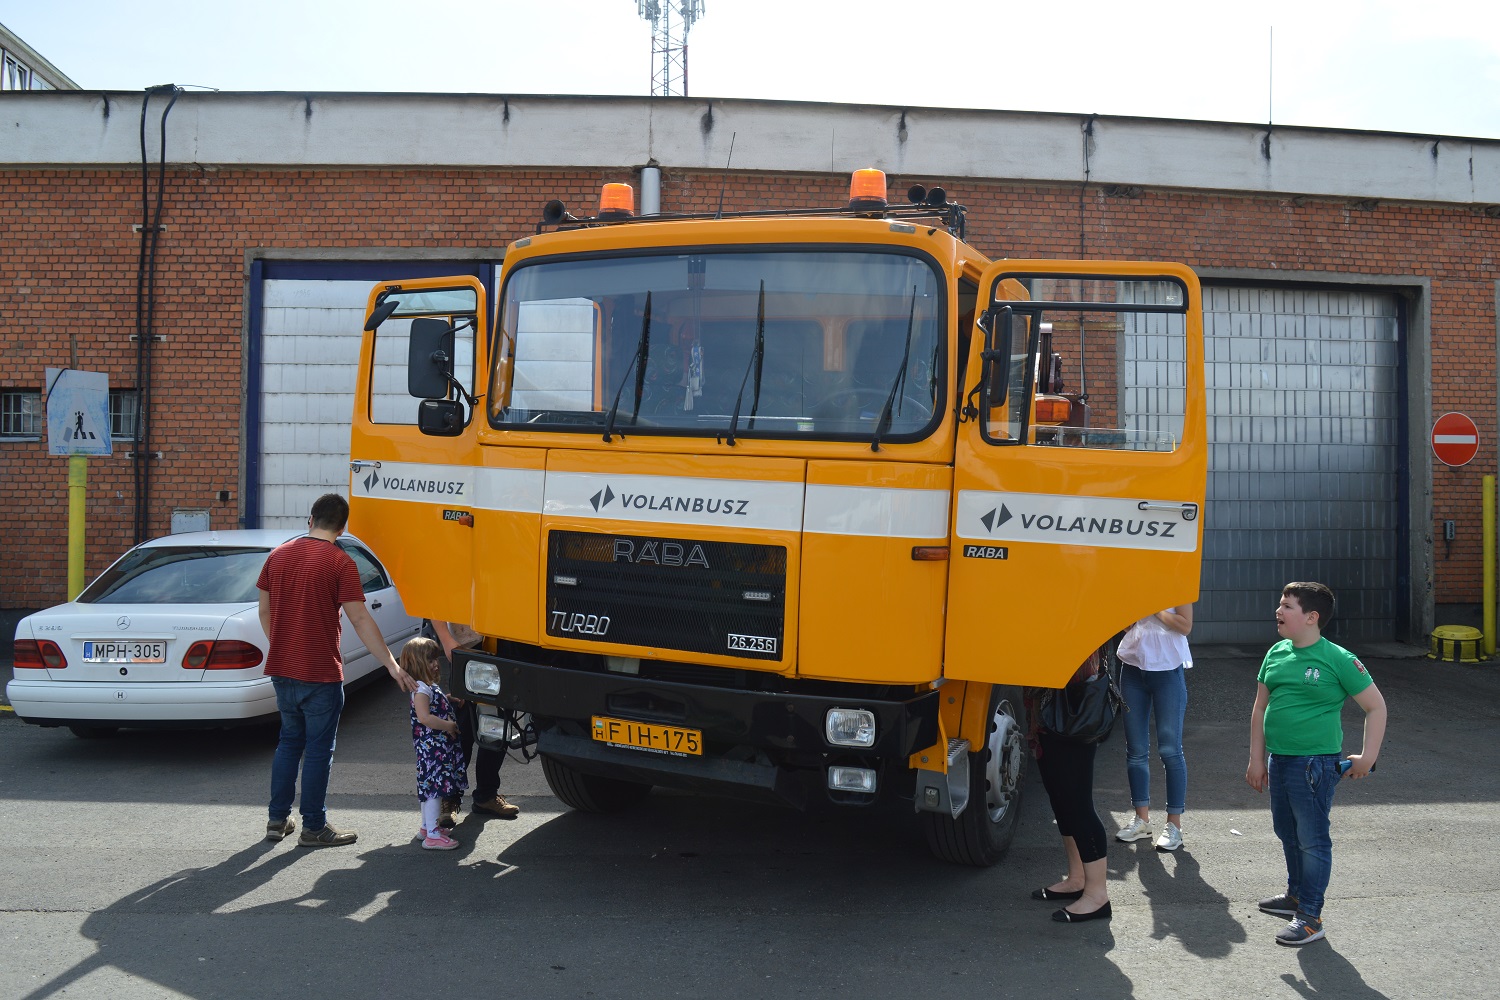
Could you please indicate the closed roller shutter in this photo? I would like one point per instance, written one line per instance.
(1305, 468)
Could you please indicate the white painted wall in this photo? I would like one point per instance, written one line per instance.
(279, 129)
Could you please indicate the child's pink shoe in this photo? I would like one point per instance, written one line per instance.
(439, 841)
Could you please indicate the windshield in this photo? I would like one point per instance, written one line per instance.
(179, 576)
(819, 343)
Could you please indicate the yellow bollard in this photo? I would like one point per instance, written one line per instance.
(1488, 516)
(78, 480)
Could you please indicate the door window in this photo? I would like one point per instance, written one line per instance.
(1086, 362)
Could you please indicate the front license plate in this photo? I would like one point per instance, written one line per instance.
(124, 652)
(644, 736)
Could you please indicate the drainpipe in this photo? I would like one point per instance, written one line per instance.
(651, 189)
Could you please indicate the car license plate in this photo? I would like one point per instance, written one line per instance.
(645, 736)
(116, 651)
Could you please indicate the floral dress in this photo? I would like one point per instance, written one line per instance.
(440, 757)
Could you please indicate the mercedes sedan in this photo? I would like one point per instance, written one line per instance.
(169, 636)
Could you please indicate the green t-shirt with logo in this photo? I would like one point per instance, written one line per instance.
(1308, 688)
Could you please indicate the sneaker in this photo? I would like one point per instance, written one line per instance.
(1302, 930)
(329, 836)
(1280, 906)
(439, 841)
(1139, 829)
(280, 829)
(1170, 839)
(448, 814)
(498, 807)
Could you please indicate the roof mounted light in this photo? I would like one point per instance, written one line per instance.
(616, 201)
(867, 190)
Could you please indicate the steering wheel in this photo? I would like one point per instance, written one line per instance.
(873, 400)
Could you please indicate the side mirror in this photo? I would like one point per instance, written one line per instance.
(995, 373)
(441, 417)
(381, 314)
(429, 359)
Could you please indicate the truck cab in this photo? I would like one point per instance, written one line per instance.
(787, 506)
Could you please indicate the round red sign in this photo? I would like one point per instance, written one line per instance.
(1455, 439)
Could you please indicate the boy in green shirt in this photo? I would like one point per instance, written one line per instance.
(1295, 740)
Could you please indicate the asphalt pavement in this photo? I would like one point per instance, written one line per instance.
(133, 867)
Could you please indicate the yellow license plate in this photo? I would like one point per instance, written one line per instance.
(645, 736)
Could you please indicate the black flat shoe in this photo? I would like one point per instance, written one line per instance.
(1068, 917)
(1048, 895)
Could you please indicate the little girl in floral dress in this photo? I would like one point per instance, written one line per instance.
(434, 733)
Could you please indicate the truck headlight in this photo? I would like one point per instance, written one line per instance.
(850, 727)
(493, 727)
(852, 779)
(481, 677)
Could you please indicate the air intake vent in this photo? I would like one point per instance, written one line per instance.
(673, 593)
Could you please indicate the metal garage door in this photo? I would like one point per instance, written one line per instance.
(307, 321)
(1306, 465)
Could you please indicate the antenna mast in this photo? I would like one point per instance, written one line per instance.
(670, 23)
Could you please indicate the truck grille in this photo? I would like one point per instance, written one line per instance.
(698, 596)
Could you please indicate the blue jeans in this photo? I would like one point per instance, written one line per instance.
(1301, 798)
(1163, 692)
(309, 728)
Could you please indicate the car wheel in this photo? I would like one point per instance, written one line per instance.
(93, 732)
(983, 832)
(589, 792)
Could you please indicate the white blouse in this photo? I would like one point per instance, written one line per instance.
(1150, 645)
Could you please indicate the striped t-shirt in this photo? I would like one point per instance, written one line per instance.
(308, 579)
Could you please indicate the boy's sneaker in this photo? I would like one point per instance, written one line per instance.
(1139, 829)
(1280, 906)
(329, 836)
(439, 841)
(280, 829)
(1170, 839)
(1302, 930)
(498, 807)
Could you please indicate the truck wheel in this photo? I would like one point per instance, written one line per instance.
(589, 792)
(982, 833)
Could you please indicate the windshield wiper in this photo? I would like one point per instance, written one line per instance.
(642, 351)
(884, 423)
(757, 361)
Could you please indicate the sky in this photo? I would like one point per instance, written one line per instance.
(1431, 68)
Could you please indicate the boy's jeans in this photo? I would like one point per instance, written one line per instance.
(1165, 691)
(309, 728)
(1301, 798)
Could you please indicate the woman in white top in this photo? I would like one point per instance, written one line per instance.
(1155, 656)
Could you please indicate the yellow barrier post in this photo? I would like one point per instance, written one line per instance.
(78, 480)
(1489, 565)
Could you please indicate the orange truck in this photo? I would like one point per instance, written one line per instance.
(784, 505)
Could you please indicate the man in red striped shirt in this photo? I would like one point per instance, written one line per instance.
(303, 585)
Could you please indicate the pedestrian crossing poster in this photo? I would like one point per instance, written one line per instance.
(77, 412)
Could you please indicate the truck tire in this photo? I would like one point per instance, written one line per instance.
(983, 832)
(588, 792)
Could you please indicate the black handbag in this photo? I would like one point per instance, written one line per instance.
(1084, 711)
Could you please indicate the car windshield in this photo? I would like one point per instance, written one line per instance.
(773, 343)
(166, 575)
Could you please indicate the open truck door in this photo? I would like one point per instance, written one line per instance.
(1080, 469)
(414, 450)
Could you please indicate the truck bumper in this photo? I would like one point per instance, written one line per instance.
(756, 744)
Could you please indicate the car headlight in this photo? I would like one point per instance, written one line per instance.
(481, 677)
(850, 727)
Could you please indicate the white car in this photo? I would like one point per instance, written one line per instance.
(169, 635)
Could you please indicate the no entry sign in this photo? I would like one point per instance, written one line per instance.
(1455, 439)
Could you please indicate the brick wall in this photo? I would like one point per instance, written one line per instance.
(69, 273)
